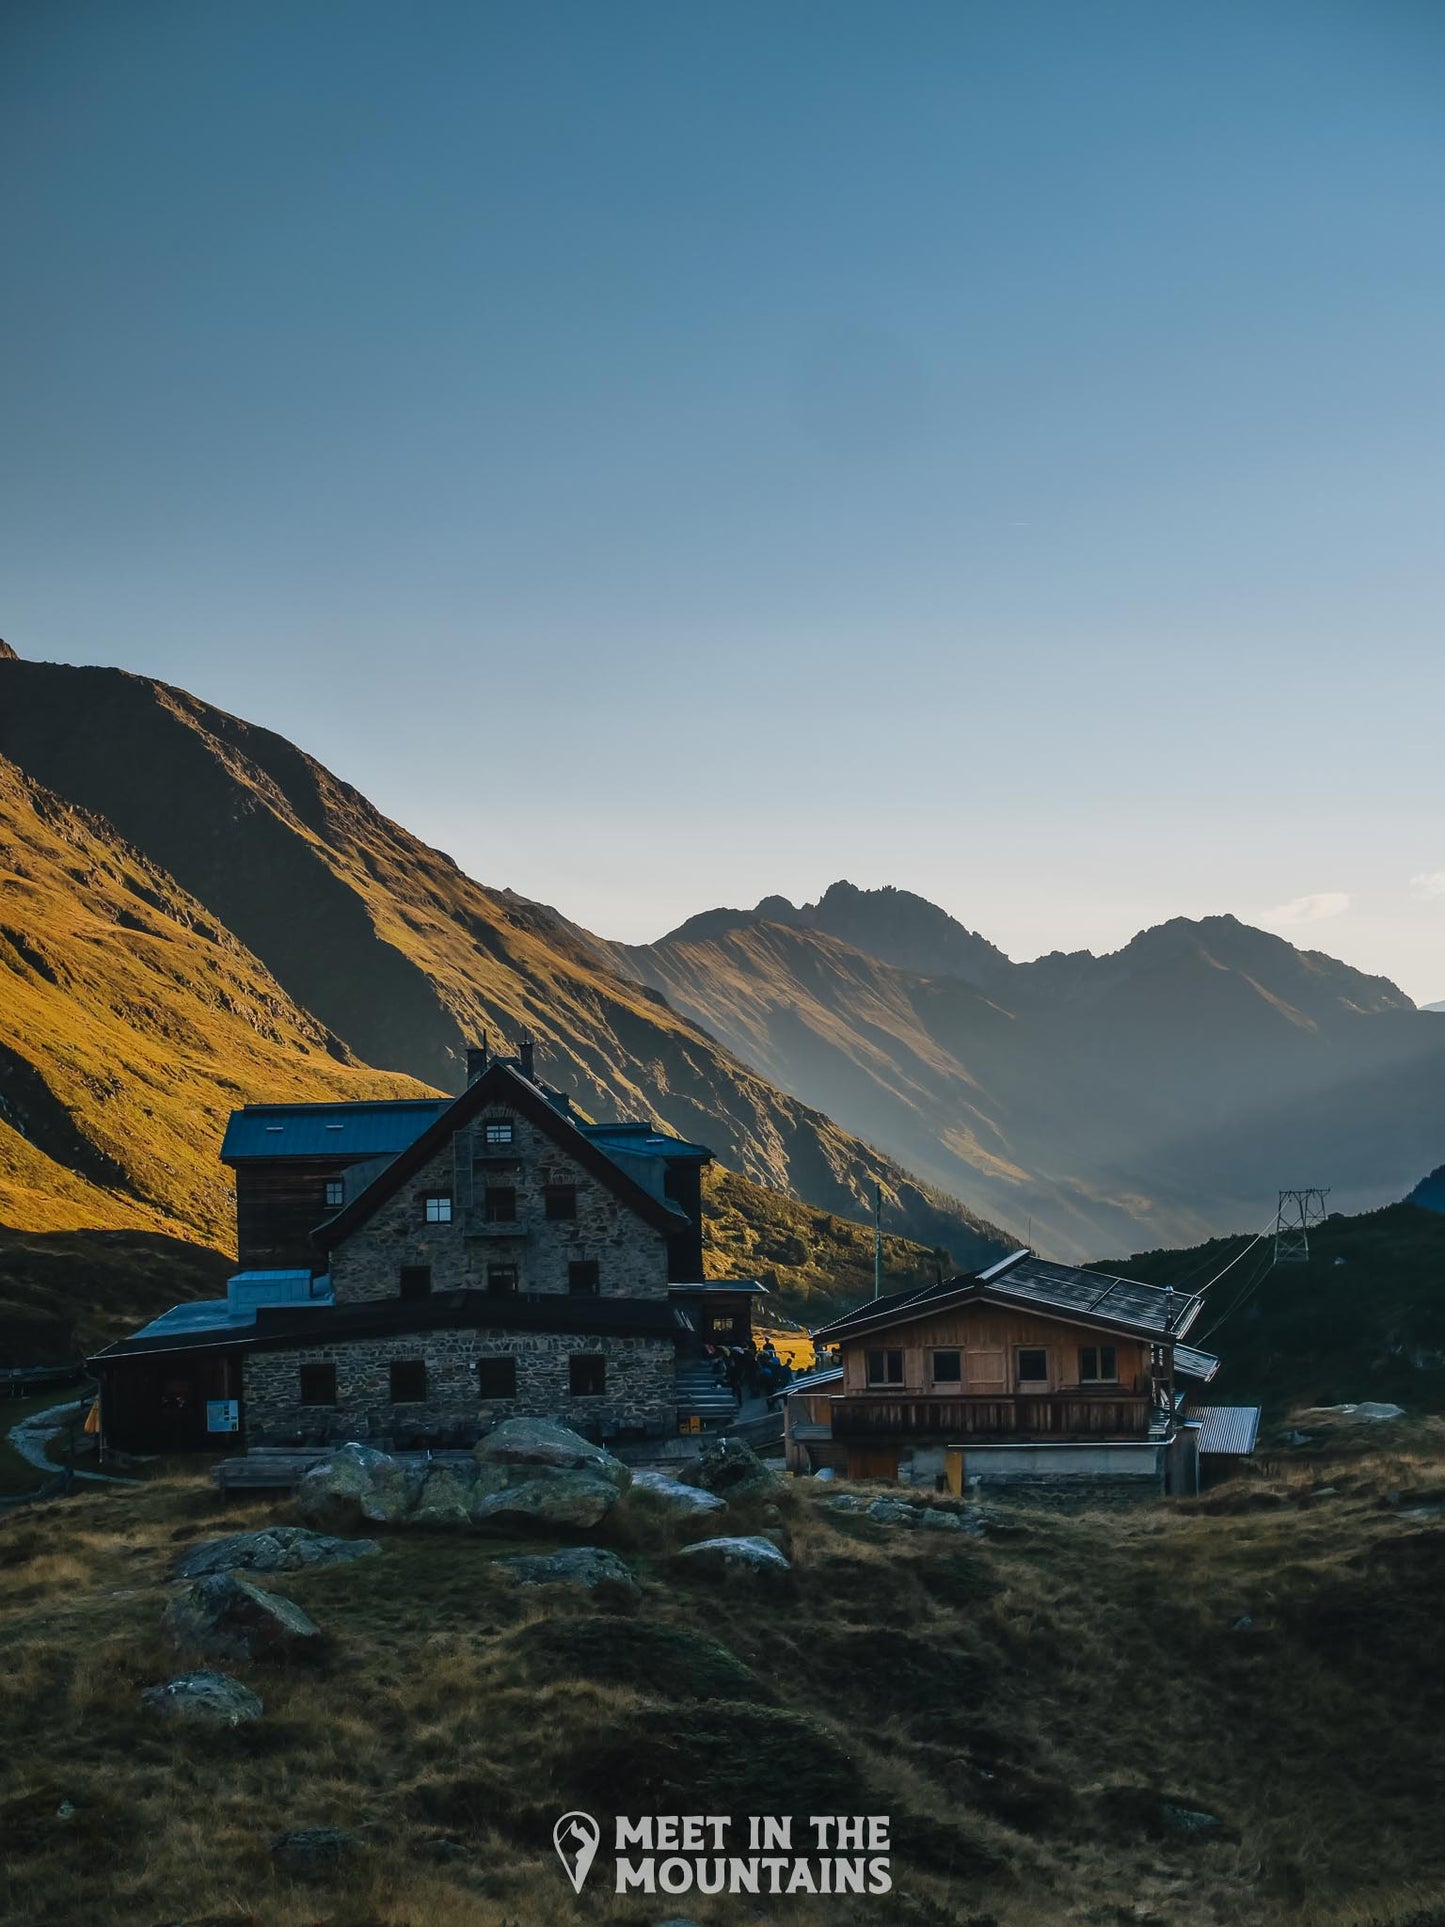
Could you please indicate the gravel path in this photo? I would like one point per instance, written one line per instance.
(32, 1437)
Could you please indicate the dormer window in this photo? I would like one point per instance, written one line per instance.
(437, 1207)
(497, 1133)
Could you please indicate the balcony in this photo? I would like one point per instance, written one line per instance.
(1052, 1415)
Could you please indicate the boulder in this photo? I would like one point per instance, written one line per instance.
(847, 1502)
(893, 1512)
(223, 1616)
(358, 1482)
(214, 1698)
(592, 1567)
(526, 1446)
(273, 1549)
(687, 1500)
(733, 1470)
(557, 1499)
(934, 1519)
(752, 1555)
(447, 1496)
(315, 1853)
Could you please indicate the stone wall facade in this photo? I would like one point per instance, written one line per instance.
(638, 1392)
(469, 1253)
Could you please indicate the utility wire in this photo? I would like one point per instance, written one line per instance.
(1248, 1291)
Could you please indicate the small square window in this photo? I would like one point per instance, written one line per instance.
(318, 1384)
(948, 1368)
(501, 1279)
(885, 1368)
(1033, 1367)
(1098, 1365)
(437, 1207)
(587, 1376)
(497, 1377)
(560, 1201)
(584, 1277)
(408, 1381)
(335, 1193)
(497, 1133)
(501, 1204)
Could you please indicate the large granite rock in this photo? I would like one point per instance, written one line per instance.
(211, 1698)
(733, 1470)
(738, 1556)
(558, 1499)
(223, 1616)
(273, 1549)
(592, 1567)
(526, 1446)
(358, 1482)
(686, 1500)
(447, 1496)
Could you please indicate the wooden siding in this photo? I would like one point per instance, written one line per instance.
(278, 1206)
(990, 1338)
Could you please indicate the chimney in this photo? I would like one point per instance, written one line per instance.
(527, 1059)
(478, 1058)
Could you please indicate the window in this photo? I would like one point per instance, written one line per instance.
(335, 1193)
(408, 1381)
(497, 1133)
(584, 1277)
(1033, 1367)
(501, 1204)
(318, 1384)
(436, 1207)
(497, 1377)
(885, 1368)
(948, 1368)
(501, 1279)
(587, 1376)
(560, 1201)
(1098, 1365)
(416, 1281)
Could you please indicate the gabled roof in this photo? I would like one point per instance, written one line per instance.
(1058, 1291)
(501, 1084)
(361, 1130)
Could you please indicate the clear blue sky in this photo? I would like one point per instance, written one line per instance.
(666, 453)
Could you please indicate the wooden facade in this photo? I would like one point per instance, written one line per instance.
(996, 1344)
(278, 1205)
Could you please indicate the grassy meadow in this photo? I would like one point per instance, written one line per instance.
(1028, 1708)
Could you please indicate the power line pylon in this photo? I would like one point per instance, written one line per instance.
(1298, 1210)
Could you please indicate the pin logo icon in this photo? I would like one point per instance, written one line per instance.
(576, 1837)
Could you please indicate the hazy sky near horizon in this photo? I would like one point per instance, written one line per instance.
(666, 454)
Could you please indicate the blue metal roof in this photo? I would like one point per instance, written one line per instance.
(642, 1141)
(329, 1130)
(245, 1292)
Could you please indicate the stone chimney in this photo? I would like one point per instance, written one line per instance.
(527, 1059)
(478, 1058)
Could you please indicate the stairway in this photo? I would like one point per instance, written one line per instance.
(702, 1394)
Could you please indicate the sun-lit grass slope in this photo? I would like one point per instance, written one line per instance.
(1039, 1713)
(1145, 1095)
(131, 1023)
(398, 953)
(815, 1264)
(1363, 1319)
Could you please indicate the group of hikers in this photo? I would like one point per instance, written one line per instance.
(751, 1371)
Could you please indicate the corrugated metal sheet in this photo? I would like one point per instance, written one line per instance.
(1227, 1429)
(1190, 1362)
(329, 1130)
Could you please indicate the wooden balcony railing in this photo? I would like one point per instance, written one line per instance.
(1052, 1415)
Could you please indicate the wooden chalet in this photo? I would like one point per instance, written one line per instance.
(1028, 1371)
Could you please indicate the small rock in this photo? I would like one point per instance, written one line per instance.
(893, 1512)
(274, 1549)
(1192, 1820)
(560, 1499)
(1295, 1438)
(538, 1444)
(214, 1698)
(753, 1555)
(223, 1616)
(936, 1520)
(1244, 1623)
(847, 1502)
(592, 1567)
(314, 1853)
(680, 1498)
(732, 1469)
(1377, 1412)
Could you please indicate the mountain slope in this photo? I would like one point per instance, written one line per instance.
(1166, 1089)
(400, 957)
